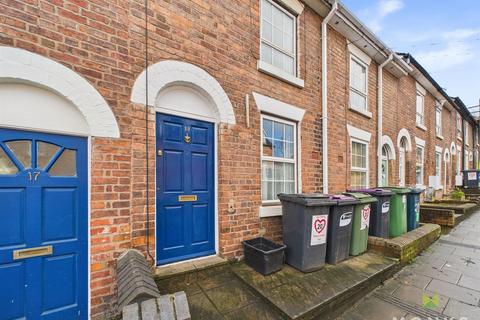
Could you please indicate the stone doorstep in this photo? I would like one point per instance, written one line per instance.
(459, 208)
(322, 294)
(406, 247)
(176, 269)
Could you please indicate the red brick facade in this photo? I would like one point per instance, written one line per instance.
(104, 42)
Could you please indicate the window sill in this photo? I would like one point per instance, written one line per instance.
(459, 138)
(421, 186)
(421, 126)
(439, 136)
(364, 113)
(270, 211)
(279, 74)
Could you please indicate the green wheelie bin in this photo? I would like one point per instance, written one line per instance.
(398, 211)
(361, 221)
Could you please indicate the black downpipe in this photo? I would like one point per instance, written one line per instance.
(146, 138)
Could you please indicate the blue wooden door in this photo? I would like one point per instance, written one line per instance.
(185, 189)
(43, 226)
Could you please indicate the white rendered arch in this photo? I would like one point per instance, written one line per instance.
(165, 74)
(18, 66)
(387, 141)
(404, 133)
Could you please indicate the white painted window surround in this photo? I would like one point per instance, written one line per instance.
(419, 162)
(277, 108)
(359, 64)
(22, 68)
(404, 133)
(359, 152)
(438, 121)
(278, 40)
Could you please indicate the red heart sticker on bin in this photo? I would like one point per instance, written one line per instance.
(320, 224)
(366, 212)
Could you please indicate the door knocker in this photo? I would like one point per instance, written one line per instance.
(187, 137)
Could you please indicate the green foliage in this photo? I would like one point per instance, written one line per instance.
(457, 194)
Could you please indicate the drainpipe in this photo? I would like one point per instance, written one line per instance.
(380, 117)
(325, 97)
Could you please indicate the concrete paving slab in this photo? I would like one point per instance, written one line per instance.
(469, 282)
(230, 296)
(415, 295)
(459, 309)
(453, 291)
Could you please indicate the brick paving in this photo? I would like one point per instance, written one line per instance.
(448, 272)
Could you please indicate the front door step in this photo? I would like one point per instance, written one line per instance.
(321, 294)
(188, 266)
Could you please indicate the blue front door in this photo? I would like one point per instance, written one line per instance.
(43, 226)
(185, 189)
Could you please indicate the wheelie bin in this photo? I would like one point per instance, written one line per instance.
(413, 208)
(380, 214)
(305, 226)
(340, 228)
(361, 222)
(398, 211)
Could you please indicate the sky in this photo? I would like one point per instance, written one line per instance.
(442, 35)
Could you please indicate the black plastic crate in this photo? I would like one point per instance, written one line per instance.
(263, 255)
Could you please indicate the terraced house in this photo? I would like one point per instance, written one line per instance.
(171, 126)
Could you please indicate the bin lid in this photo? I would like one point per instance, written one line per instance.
(415, 190)
(373, 191)
(397, 190)
(343, 200)
(308, 199)
(362, 197)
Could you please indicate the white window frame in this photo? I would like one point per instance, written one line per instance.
(459, 126)
(421, 124)
(438, 122)
(438, 166)
(422, 166)
(465, 129)
(402, 162)
(359, 169)
(365, 112)
(276, 159)
(271, 69)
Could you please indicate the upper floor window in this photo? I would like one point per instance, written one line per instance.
(278, 158)
(438, 120)
(358, 84)
(278, 30)
(420, 109)
(465, 131)
(459, 126)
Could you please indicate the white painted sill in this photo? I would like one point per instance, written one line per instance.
(421, 126)
(279, 74)
(439, 136)
(363, 112)
(270, 211)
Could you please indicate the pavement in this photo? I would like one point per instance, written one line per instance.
(442, 283)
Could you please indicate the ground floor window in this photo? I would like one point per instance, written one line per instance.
(279, 165)
(438, 163)
(359, 170)
(459, 162)
(419, 165)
